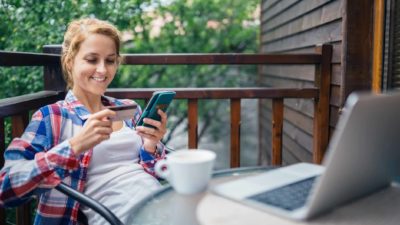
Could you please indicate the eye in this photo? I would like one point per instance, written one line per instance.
(110, 61)
(91, 60)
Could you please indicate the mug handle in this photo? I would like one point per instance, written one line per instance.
(161, 169)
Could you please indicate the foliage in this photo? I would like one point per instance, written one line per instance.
(192, 27)
(148, 26)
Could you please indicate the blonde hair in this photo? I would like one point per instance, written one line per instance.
(77, 32)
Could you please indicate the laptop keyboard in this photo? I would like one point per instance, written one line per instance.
(289, 197)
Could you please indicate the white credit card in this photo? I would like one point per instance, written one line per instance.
(124, 112)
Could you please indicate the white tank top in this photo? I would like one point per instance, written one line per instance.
(115, 177)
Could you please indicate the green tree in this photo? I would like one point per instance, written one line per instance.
(198, 26)
(148, 26)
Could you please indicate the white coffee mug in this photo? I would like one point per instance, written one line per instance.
(188, 171)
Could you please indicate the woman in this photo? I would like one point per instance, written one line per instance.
(75, 142)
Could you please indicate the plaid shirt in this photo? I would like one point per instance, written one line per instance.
(42, 157)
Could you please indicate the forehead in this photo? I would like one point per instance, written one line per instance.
(98, 44)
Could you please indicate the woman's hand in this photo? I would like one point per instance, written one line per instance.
(152, 136)
(96, 129)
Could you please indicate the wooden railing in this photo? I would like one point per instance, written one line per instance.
(18, 108)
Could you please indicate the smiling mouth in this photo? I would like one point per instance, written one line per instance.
(99, 79)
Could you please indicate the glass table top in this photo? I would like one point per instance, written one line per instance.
(166, 207)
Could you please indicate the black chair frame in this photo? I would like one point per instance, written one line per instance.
(89, 202)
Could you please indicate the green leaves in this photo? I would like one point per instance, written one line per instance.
(148, 26)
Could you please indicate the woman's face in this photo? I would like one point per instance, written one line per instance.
(94, 66)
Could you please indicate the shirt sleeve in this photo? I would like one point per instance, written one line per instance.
(34, 162)
(148, 160)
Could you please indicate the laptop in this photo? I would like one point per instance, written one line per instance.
(363, 156)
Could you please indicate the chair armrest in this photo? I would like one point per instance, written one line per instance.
(89, 202)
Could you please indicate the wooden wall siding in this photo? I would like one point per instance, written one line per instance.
(324, 34)
(275, 30)
(297, 26)
(280, 12)
(336, 54)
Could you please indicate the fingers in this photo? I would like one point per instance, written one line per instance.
(152, 135)
(159, 125)
(150, 132)
(105, 113)
(90, 136)
(96, 129)
(102, 130)
(100, 123)
(163, 116)
(101, 119)
(149, 136)
(154, 123)
(101, 137)
(101, 127)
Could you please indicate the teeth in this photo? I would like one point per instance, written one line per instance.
(99, 78)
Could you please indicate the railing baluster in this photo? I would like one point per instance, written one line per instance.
(19, 122)
(277, 127)
(235, 132)
(321, 105)
(192, 120)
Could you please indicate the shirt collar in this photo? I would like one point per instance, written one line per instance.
(80, 110)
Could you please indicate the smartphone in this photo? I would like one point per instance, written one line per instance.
(159, 100)
(124, 112)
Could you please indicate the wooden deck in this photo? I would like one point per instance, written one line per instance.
(18, 108)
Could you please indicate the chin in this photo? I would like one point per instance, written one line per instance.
(98, 91)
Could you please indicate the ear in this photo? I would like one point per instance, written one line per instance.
(69, 64)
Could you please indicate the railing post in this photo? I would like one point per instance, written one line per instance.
(235, 132)
(19, 122)
(322, 103)
(52, 74)
(192, 126)
(277, 127)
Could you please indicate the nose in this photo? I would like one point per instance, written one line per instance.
(101, 68)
